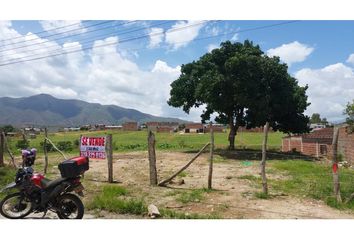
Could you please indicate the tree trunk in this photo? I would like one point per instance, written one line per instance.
(336, 185)
(152, 159)
(2, 147)
(210, 175)
(264, 156)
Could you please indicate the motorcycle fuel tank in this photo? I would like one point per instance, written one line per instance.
(36, 179)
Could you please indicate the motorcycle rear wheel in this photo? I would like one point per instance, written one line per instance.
(13, 206)
(70, 206)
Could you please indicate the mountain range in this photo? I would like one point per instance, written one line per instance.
(46, 110)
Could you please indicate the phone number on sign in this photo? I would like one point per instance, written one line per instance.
(99, 155)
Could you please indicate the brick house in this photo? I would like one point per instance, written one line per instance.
(162, 126)
(346, 145)
(317, 143)
(194, 128)
(130, 126)
(165, 129)
(216, 128)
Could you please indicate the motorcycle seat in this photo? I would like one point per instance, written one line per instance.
(47, 183)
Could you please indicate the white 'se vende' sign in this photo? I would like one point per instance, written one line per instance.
(93, 147)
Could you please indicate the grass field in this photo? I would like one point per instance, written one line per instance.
(124, 141)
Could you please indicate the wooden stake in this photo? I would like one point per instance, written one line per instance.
(164, 182)
(2, 147)
(45, 151)
(9, 152)
(109, 152)
(336, 184)
(152, 159)
(211, 157)
(264, 157)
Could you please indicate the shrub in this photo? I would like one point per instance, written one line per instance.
(22, 144)
(65, 146)
(49, 147)
(76, 143)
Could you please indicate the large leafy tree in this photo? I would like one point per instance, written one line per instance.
(279, 102)
(223, 81)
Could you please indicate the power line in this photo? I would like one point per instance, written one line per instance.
(55, 34)
(144, 36)
(103, 45)
(49, 30)
(62, 37)
(84, 42)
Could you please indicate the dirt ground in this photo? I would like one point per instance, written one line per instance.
(233, 197)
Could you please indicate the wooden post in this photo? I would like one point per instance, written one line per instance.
(210, 175)
(264, 157)
(152, 158)
(336, 184)
(45, 150)
(8, 151)
(2, 147)
(109, 152)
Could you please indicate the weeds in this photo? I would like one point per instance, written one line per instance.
(196, 195)
(114, 199)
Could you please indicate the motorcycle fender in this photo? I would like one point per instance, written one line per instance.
(8, 187)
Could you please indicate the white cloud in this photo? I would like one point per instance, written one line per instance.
(351, 59)
(330, 88)
(156, 37)
(60, 26)
(180, 38)
(211, 47)
(234, 37)
(103, 75)
(292, 52)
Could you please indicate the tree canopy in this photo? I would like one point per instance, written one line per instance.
(349, 111)
(243, 87)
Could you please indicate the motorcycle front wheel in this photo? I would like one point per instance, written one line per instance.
(70, 206)
(14, 206)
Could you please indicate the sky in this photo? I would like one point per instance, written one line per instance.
(131, 63)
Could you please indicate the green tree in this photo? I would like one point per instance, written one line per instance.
(222, 81)
(7, 128)
(278, 102)
(349, 111)
(316, 118)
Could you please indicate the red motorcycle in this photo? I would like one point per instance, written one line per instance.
(37, 194)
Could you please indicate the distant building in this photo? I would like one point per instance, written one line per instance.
(317, 143)
(71, 129)
(215, 127)
(114, 127)
(130, 126)
(316, 126)
(34, 130)
(162, 126)
(194, 128)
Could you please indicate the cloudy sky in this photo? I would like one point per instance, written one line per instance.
(132, 63)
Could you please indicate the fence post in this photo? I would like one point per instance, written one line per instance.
(210, 176)
(109, 152)
(2, 147)
(336, 185)
(152, 159)
(264, 157)
(45, 151)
